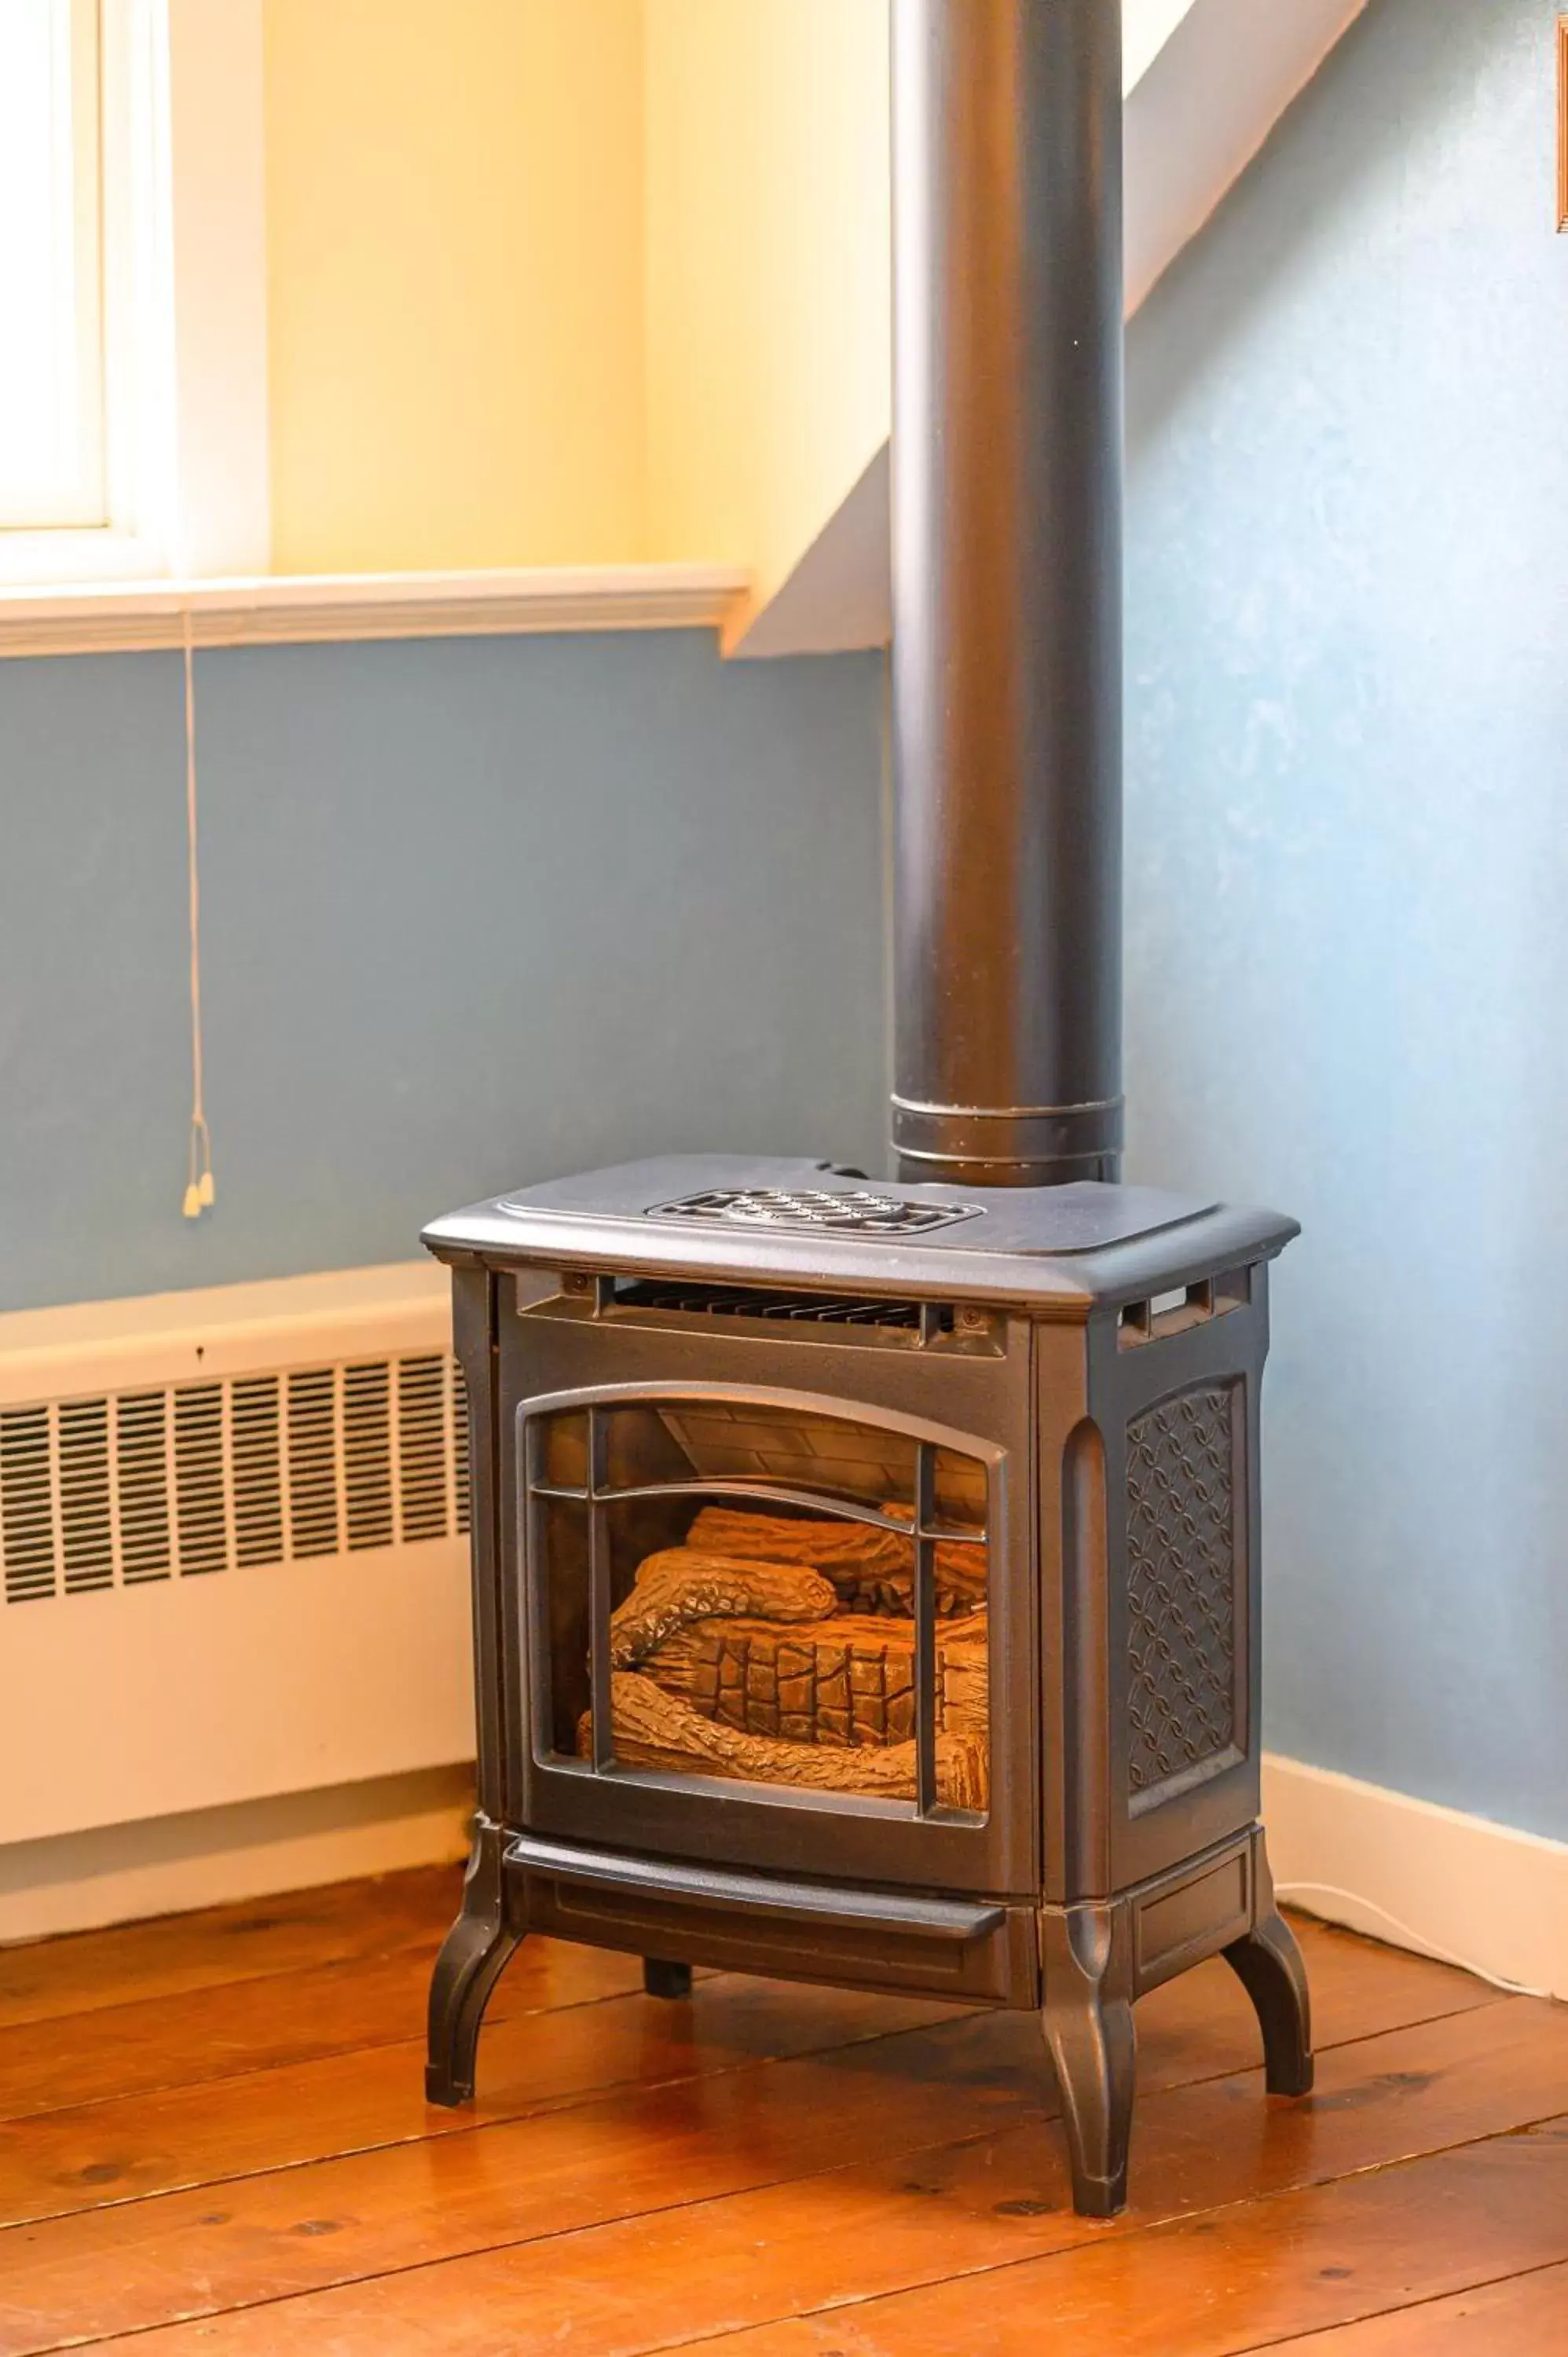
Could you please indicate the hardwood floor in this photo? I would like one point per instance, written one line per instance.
(212, 2139)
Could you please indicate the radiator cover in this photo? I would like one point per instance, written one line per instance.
(233, 1533)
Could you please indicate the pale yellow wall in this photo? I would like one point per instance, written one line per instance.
(769, 265)
(565, 282)
(456, 265)
(768, 288)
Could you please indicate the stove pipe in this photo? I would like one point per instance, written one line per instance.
(1007, 590)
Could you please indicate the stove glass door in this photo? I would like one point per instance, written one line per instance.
(767, 1596)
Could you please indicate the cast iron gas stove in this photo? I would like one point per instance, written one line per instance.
(866, 1576)
(867, 1592)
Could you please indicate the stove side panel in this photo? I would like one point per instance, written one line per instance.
(474, 1312)
(1170, 1481)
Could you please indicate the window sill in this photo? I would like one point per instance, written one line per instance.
(94, 618)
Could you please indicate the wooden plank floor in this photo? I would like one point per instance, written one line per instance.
(212, 2142)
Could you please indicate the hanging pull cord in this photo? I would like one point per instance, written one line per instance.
(200, 1191)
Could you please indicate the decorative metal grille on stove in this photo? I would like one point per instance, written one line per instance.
(754, 1591)
(817, 1209)
(771, 1302)
(1181, 1568)
(266, 1468)
(840, 1454)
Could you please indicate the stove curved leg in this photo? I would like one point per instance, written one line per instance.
(666, 1980)
(1088, 2024)
(473, 1956)
(1268, 1963)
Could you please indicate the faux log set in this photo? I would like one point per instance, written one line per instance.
(871, 1570)
(683, 1585)
(769, 1667)
(849, 1680)
(653, 1730)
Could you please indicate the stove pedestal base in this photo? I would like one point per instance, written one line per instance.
(669, 1981)
(1099, 1957)
(474, 1956)
(1269, 1965)
(1082, 1966)
(1088, 2019)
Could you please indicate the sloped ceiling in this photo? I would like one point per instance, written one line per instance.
(1207, 80)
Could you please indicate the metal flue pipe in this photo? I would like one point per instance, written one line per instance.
(1007, 590)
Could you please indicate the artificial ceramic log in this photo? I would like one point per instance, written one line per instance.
(871, 1570)
(849, 1680)
(963, 1680)
(844, 1681)
(655, 1730)
(685, 1584)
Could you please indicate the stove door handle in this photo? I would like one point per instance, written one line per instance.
(703, 1885)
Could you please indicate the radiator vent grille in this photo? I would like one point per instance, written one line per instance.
(116, 1491)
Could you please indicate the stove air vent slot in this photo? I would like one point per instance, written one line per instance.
(780, 1305)
(1185, 1306)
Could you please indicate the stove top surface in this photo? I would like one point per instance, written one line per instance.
(732, 1216)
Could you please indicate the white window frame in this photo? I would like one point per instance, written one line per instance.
(74, 494)
(185, 430)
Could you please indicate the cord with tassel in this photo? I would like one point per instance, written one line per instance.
(201, 1193)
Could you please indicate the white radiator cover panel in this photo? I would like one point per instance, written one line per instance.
(233, 1552)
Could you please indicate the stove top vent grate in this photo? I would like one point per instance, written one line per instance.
(817, 1211)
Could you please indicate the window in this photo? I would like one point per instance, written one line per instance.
(133, 277)
(51, 387)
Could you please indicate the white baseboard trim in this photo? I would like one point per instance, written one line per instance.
(1419, 1876)
(1400, 1869)
(213, 1857)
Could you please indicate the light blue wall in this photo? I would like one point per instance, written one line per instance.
(1348, 899)
(473, 913)
(477, 912)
